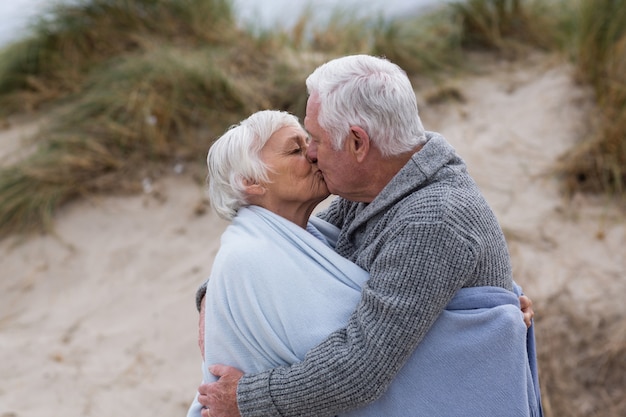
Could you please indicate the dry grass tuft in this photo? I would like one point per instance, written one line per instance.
(598, 164)
(66, 46)
(505, 25)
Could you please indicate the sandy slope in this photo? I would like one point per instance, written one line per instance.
(99, 320)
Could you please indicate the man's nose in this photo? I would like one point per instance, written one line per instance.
(311, 153)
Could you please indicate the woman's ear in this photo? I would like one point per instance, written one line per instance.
(253, 188)
(359, 142)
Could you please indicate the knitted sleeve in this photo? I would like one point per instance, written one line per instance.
(336, 212)
(415, 272)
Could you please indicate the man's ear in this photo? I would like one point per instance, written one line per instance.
(359, 143)
(253, 188)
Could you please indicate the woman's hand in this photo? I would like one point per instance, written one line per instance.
(526, 304)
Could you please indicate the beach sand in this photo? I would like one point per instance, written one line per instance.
(98, 319)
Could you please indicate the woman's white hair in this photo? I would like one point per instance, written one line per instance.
(372, 93)
(236, 156)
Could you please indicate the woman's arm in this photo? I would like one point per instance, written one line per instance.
(201, 328)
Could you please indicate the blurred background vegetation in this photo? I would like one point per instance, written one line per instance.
(139, 86)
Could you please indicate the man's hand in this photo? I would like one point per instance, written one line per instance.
(526, 304)
(220, 398)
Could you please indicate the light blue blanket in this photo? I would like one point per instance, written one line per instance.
(275, 291)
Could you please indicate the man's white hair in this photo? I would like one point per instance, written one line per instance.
(372, 93)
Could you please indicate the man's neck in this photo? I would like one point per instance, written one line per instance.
(382, 170)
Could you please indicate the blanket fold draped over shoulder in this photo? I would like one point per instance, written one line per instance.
(276, 290)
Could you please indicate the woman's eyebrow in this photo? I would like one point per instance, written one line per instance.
(299, 139)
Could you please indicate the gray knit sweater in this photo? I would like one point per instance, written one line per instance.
(429, 233)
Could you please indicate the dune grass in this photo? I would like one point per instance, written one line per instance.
(115, 65)
(506, 25)
(157, 80)
(63, 48)
(599, 50)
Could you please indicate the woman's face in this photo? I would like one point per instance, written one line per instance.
(293, 181)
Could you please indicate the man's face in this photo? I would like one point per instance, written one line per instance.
(334, 164)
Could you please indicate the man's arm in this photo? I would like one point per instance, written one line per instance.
(355, 365)
(220, 399)
(221, 396)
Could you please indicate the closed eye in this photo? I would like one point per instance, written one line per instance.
(300, 145)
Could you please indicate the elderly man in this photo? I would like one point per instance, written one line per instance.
(409, 214)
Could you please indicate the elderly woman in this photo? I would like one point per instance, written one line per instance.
(277, 288)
